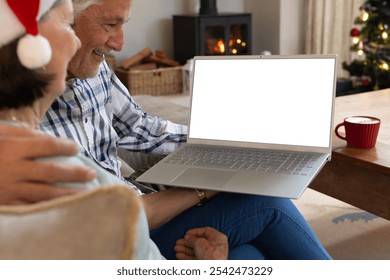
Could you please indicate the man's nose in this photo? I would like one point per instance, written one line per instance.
(116, 41)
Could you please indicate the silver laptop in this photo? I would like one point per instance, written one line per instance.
(258, 125)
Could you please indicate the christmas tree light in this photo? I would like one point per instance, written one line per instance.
(371, 44)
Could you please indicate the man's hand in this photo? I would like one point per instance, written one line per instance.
(202, 244)
(23, 180)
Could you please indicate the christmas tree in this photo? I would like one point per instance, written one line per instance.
(370, 67)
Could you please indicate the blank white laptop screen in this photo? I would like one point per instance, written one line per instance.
(289, 99)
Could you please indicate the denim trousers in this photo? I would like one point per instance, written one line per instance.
(257, 227)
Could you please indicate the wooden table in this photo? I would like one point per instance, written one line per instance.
(360, 177)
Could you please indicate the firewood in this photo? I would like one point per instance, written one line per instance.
(161, 61)
(136, 59)
(160, 54)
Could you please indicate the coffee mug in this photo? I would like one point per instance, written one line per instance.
(360, 131)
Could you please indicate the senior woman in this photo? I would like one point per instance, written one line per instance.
(34, 65)
(34, 58)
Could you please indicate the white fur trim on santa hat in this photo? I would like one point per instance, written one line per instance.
(10, 26)
(33, 51)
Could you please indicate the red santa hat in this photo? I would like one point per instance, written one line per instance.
(18, 17)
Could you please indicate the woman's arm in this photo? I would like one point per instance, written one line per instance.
(23, 180)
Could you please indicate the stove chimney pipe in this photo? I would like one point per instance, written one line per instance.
(208, 7)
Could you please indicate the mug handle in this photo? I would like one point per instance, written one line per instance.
(336, 130)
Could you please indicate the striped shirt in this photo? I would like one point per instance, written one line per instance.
(100, 115)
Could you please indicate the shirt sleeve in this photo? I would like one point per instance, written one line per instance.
(139, 131)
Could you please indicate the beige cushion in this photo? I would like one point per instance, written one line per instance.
(96, 224)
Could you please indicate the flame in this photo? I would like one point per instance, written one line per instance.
(219, 48)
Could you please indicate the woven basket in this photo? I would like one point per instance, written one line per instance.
(152, 82)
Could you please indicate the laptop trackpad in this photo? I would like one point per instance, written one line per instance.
(202, 177)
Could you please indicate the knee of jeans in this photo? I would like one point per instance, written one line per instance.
(246, 252)
(282, 204)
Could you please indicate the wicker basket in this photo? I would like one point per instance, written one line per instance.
(152, 82)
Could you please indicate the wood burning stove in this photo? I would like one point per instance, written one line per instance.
(211, 33)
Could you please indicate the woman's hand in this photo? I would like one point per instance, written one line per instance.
(23, 180)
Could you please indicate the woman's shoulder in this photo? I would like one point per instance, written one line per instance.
(103, 177)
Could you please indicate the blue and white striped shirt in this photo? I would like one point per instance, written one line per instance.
(100, 115)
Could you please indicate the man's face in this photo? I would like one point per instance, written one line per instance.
(100, 29)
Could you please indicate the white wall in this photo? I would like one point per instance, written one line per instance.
(275, 24)
(265, 24)
(291, 27)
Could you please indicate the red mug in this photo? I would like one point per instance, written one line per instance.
(360, 131)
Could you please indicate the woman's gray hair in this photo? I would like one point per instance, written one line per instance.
(80, 5)
(45, 15)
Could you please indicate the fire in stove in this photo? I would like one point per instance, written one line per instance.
(211, 33)
(215, 45)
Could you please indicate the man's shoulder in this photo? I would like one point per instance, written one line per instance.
(104, 72)
(104, 84)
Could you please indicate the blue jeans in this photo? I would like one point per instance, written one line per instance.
(258, 227)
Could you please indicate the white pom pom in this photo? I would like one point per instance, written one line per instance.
(34, 51)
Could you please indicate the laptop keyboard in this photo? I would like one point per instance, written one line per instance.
(241, 159)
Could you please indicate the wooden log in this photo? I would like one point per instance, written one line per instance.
(162, 61)
(136, 59)
(160, 54)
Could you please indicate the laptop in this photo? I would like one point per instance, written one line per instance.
(257, 125)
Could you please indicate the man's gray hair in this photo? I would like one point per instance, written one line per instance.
(81, 5)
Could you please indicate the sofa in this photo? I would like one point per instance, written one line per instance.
(100, 224)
